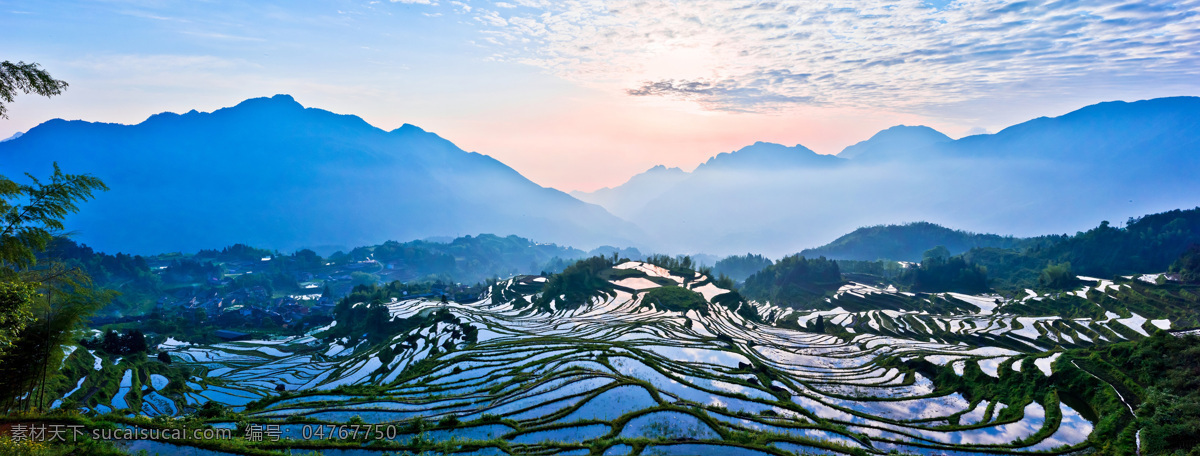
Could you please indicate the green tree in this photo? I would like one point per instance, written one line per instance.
(32, 213)
(40, 304)
(32, 323)
(1057, 276)
(67, 297)
(15, 301)
(26, 78)
(1188, 265)
(678, 299)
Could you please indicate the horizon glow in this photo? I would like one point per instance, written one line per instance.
(579, 95)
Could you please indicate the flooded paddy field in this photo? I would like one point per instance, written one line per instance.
(619, 375)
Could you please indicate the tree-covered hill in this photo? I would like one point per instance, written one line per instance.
(906, 242)
(1148, 244)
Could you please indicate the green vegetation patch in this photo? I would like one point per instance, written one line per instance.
(1159, 377)
(675, 298)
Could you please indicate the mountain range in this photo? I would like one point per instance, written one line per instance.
(1108, 161)
(272, 173)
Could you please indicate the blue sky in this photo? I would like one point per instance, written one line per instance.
(580, 94)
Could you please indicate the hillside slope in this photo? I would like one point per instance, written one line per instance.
(905, 242)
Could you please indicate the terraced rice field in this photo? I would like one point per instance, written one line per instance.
(617, 375)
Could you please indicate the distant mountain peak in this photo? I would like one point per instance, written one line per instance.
(277, 101)
(760, 147)
(660, 169)
(768, 155)
(638, 190)
(654, 172)
(409, 129)
(261, 106)
(771, 145)
(894, 142)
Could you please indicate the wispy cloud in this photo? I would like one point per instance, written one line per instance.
(725, 94)
(765, 55)
(148, 15)
(222, 36)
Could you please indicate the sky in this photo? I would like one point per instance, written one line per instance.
(582, 94)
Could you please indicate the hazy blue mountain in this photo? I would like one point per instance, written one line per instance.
(1109, 161)
(271, 173)
(626, 199)
(14, 136)
(895, 142)
(1126, 134)
(905, 242)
